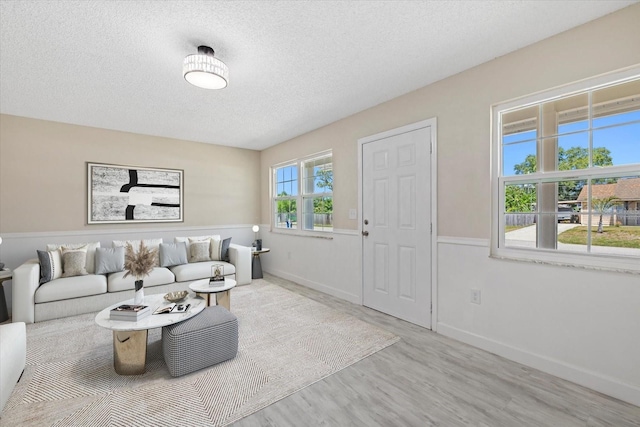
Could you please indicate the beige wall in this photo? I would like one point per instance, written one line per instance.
(43, 184)
(462, 106)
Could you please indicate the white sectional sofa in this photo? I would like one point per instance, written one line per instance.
(69, 296)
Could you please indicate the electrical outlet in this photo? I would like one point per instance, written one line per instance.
(353, 214)
(475, 296)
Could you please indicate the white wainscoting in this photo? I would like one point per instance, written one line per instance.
(576, 324)
(329, 265)
(16, 248)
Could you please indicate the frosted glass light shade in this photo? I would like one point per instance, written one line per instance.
(205, 71)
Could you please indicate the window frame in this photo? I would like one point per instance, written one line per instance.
(629, 264)
(300, 197)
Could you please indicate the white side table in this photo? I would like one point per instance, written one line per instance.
(203, 289)
(256, 265)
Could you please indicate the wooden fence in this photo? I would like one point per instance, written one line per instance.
(519, 219)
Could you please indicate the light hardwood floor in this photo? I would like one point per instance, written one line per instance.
(427, 379)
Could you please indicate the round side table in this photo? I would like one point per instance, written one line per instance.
(256, 265)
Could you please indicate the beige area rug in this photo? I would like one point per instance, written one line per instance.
(287, 342)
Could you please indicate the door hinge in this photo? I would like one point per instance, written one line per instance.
(431, 306)
(431, 228)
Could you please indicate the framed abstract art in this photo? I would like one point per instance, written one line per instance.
(128, 194)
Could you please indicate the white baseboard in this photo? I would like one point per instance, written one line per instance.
(601, 383)
(355, 299)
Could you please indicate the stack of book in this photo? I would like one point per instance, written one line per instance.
(130, 312)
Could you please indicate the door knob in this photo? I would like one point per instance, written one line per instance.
(365, 233)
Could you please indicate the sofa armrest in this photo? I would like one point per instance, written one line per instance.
(25, 282)
(13, 354)
(240, 257)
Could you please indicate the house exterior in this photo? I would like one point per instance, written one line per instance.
(626, 212)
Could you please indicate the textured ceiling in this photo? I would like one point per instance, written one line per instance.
(294, 65)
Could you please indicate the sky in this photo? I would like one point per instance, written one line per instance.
(620, 133)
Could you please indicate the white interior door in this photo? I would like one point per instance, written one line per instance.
(396, 225)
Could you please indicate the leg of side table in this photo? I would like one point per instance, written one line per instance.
(256, 267)
(206, 297)
(224, 299)
(130, 352)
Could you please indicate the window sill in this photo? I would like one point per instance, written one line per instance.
(597, 262)
(327, 235)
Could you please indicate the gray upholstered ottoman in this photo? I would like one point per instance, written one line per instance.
(206, 339)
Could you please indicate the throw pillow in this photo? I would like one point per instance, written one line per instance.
(74, 261)
(224, 249)
(50, 265)
(216, 249)
(173, 254)
(199, 251)
(109, 260)
(91, 252)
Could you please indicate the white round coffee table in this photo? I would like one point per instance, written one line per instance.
(222, 292)
(130, 337)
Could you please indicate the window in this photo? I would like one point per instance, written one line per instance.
(566, 175)
(306, 184)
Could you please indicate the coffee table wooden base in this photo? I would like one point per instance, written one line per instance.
(130, 352)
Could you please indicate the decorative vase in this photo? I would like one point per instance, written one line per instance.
(139, 295)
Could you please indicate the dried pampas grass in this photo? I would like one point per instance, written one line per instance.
(139, 264)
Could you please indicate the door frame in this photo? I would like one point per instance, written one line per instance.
(432, 124)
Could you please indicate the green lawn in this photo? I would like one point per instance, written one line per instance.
(620, 237)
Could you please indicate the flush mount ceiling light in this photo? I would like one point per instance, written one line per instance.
(205, 71)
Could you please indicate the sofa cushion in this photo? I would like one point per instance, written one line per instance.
(172, 254)
(91, 252)
(109, 260)
(199, 270)
(159, 276)
(71, 287)
(149, 243)
(50, 265)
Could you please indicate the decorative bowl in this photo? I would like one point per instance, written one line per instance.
(176, 296)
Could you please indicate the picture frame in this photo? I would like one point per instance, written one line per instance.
(217, 273)
(118, 194)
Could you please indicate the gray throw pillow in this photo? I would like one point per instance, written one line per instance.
(109, 260)
(224, 251)
(173, 254)
(50, 265)
(73, 263)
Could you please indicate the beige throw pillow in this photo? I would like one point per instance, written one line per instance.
(74, 261)
(199, 251)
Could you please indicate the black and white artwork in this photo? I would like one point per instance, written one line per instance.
(125, 194)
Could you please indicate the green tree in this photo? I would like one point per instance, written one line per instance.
(519, 198)
(570, 159)
(603, 205)
(325, 179)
